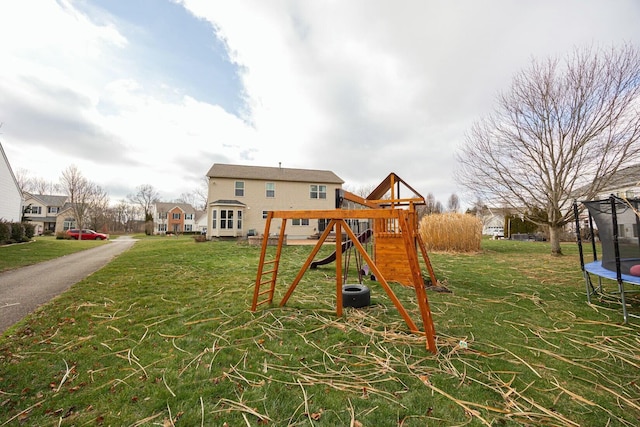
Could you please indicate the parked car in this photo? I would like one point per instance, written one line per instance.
(86, 234)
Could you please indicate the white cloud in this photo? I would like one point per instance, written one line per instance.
(365, 88)
(362, 88)
(69, 98)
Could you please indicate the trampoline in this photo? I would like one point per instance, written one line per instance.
(616, 225)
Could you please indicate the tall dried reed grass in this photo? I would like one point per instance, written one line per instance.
(451, 232)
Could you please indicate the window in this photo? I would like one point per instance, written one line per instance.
(239, 220)
(176, 216)
(239, 188)
(162, 228)
(264, 214)
(318, 191)
(298, 221)
(214, 219)
(162, 215)
(188, 227)
(188, 216)
(53, 209)
(271, 189)
(226, 219)
(35, 210)
(621, 232)
(68, 224)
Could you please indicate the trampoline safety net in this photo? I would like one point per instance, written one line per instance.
(617, 216)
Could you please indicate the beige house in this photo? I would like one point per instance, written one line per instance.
(44, 212)
(240, 197)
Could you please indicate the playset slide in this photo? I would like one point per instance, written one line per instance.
(362, 238)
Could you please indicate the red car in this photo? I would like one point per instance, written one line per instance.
(86, 234)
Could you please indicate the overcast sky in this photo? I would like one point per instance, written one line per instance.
(154, 92)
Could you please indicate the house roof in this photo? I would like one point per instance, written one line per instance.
(627, 177)
(6, 160)
(48, 199)
(167, 206)
(200, 215)
(263, 173)
(227, 202)
(385, 186)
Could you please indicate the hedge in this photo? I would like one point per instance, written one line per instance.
(15, 232)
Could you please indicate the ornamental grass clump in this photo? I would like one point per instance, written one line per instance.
(451, 232)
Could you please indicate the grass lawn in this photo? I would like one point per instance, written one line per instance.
(164, 336)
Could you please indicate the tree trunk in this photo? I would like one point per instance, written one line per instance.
(554, 239)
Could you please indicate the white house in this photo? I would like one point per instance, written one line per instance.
(171, 217)
(240, 198)
(10, 193)
(201, 222)
(623, 183)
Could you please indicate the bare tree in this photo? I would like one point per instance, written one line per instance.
(453, 204)
(145, 197)
(22, 176)
(198, 197)
(559, 133)
(202, 193)
(80, 191)
(190, 199)
(98, 207)
(123, 215)
(35, 185)
(42, 186)
(362, 191)
(431, 206)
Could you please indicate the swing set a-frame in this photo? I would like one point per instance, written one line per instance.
(396, 242)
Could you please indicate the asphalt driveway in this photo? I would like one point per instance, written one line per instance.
(24, 289)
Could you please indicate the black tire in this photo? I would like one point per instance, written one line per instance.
(355, 295)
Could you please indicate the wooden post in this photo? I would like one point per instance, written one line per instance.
(401, 220)
(265, 241)
(338, 229)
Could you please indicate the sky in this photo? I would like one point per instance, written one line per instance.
(137, 92)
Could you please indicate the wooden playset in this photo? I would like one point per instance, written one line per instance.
(396, 242)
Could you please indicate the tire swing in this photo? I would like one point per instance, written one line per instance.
(354, 295)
